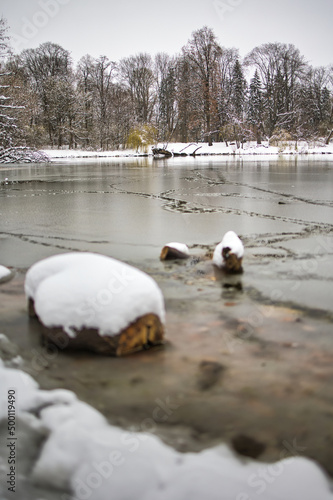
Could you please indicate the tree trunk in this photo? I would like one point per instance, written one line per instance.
(329, 137)
(258, 133)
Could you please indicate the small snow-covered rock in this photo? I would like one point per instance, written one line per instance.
(5, 274)
(89, 301)
(228, 254)
(174, 250)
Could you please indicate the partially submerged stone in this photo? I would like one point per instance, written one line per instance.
(92, 302)
(175, 250)
(144, 333)
(228, 254)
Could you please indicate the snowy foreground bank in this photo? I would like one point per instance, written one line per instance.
(200, 149)
(71, 447)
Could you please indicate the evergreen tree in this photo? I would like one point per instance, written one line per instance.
(281, 69)
(239, 87)
(238, 100)
(255, 105)
(325, 104)
(281, 115)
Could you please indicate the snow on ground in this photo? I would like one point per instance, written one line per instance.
(31, 398)
(55, 154)
(218, 148)
(93, 460)
(78, 290)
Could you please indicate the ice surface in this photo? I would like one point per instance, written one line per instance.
(78, 290)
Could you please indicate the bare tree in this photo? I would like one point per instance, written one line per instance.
(226, 65)
(106, 103)
(203, 53)
(85, 89)
(166, 112)
(137, 74)
(102, 74)
(49, 69)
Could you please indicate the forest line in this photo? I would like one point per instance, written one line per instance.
(205, 93)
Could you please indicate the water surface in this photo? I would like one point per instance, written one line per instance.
(129, 208)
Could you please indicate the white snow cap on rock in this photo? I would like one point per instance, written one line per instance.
(232, 241)
(87, 290)
(181, 247)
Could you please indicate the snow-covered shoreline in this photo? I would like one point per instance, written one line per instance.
(70, 447)
(201, 149)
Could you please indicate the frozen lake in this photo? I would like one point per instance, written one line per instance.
(268, 332)
(129, 208)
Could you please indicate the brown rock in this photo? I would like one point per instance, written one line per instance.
(231, 262)
(170, 253)
(248, 446)
(147, 331)
(31, 308)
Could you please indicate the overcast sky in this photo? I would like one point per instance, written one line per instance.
(119, 28)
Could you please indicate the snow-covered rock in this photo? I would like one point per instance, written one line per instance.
(80, 291)
(5, 273)
(175, 250)
(228, 254)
